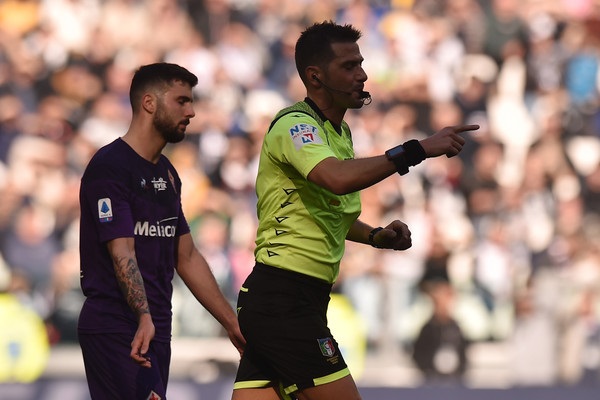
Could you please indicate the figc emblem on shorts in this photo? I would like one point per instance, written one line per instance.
(303, 134)
(327, 348)
(105, 213)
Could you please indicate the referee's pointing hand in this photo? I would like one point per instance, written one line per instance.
(448, 141)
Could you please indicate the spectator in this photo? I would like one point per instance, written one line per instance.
(440, 348)
(526, 74)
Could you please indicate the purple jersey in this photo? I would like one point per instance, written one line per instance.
(124, 195)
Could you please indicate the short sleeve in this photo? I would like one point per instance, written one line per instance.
(298, 140)
(107, 202)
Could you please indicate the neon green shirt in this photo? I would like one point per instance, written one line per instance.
(302, 227)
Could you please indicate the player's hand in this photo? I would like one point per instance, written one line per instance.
(395, 236)
(448, 141)
(141, 341)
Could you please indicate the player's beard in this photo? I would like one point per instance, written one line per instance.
(169, 130)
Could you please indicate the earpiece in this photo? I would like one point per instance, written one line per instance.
(364, 96)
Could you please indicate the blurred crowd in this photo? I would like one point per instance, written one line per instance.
(506, 236)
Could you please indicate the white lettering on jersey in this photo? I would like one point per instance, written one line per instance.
(159, 184)
(156, 230)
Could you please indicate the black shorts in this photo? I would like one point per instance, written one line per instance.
(283, 316)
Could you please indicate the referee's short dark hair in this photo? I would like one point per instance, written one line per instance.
(314, 44)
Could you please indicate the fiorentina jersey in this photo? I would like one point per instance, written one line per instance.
(302, 226)
(125, 195)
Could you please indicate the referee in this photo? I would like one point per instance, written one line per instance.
(308, 205)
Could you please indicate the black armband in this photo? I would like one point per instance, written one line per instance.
(413, 152)
(372, 237)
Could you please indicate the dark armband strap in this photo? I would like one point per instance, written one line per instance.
(406, 155)
(414, 152)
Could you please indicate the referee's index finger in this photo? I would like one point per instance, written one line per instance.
(465, 128)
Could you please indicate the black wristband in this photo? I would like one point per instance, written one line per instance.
(413, 152)
(372, 237)
(397, 156)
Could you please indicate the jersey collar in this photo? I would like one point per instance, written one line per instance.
(316, 109)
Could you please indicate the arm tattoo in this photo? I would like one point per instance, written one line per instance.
(132, 285)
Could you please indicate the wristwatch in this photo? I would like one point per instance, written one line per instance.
(397, 155)
(372, 237)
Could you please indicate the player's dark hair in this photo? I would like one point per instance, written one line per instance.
(157, 76)
(314, 44)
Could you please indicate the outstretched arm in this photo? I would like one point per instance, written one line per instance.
(196, 274)
(347, 176)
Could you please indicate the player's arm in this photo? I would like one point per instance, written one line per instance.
(129, 278)
(196, 274)
(347, 176)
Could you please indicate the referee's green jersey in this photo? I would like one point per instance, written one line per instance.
(302, 227)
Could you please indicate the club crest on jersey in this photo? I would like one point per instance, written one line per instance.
(159, 184)
(153, 396)
(303, 134)
(105, 213)
(326, 346)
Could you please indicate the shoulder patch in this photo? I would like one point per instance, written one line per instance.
(105, 213)
(303, 134)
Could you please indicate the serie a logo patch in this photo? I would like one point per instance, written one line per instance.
(105, 213)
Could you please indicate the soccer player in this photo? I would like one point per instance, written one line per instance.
(308, 204)
(133, 237)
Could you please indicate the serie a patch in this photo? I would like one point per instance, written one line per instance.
(105, 212)
(303, 134)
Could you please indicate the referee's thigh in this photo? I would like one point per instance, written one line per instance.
(268, 393)
(344, 388)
